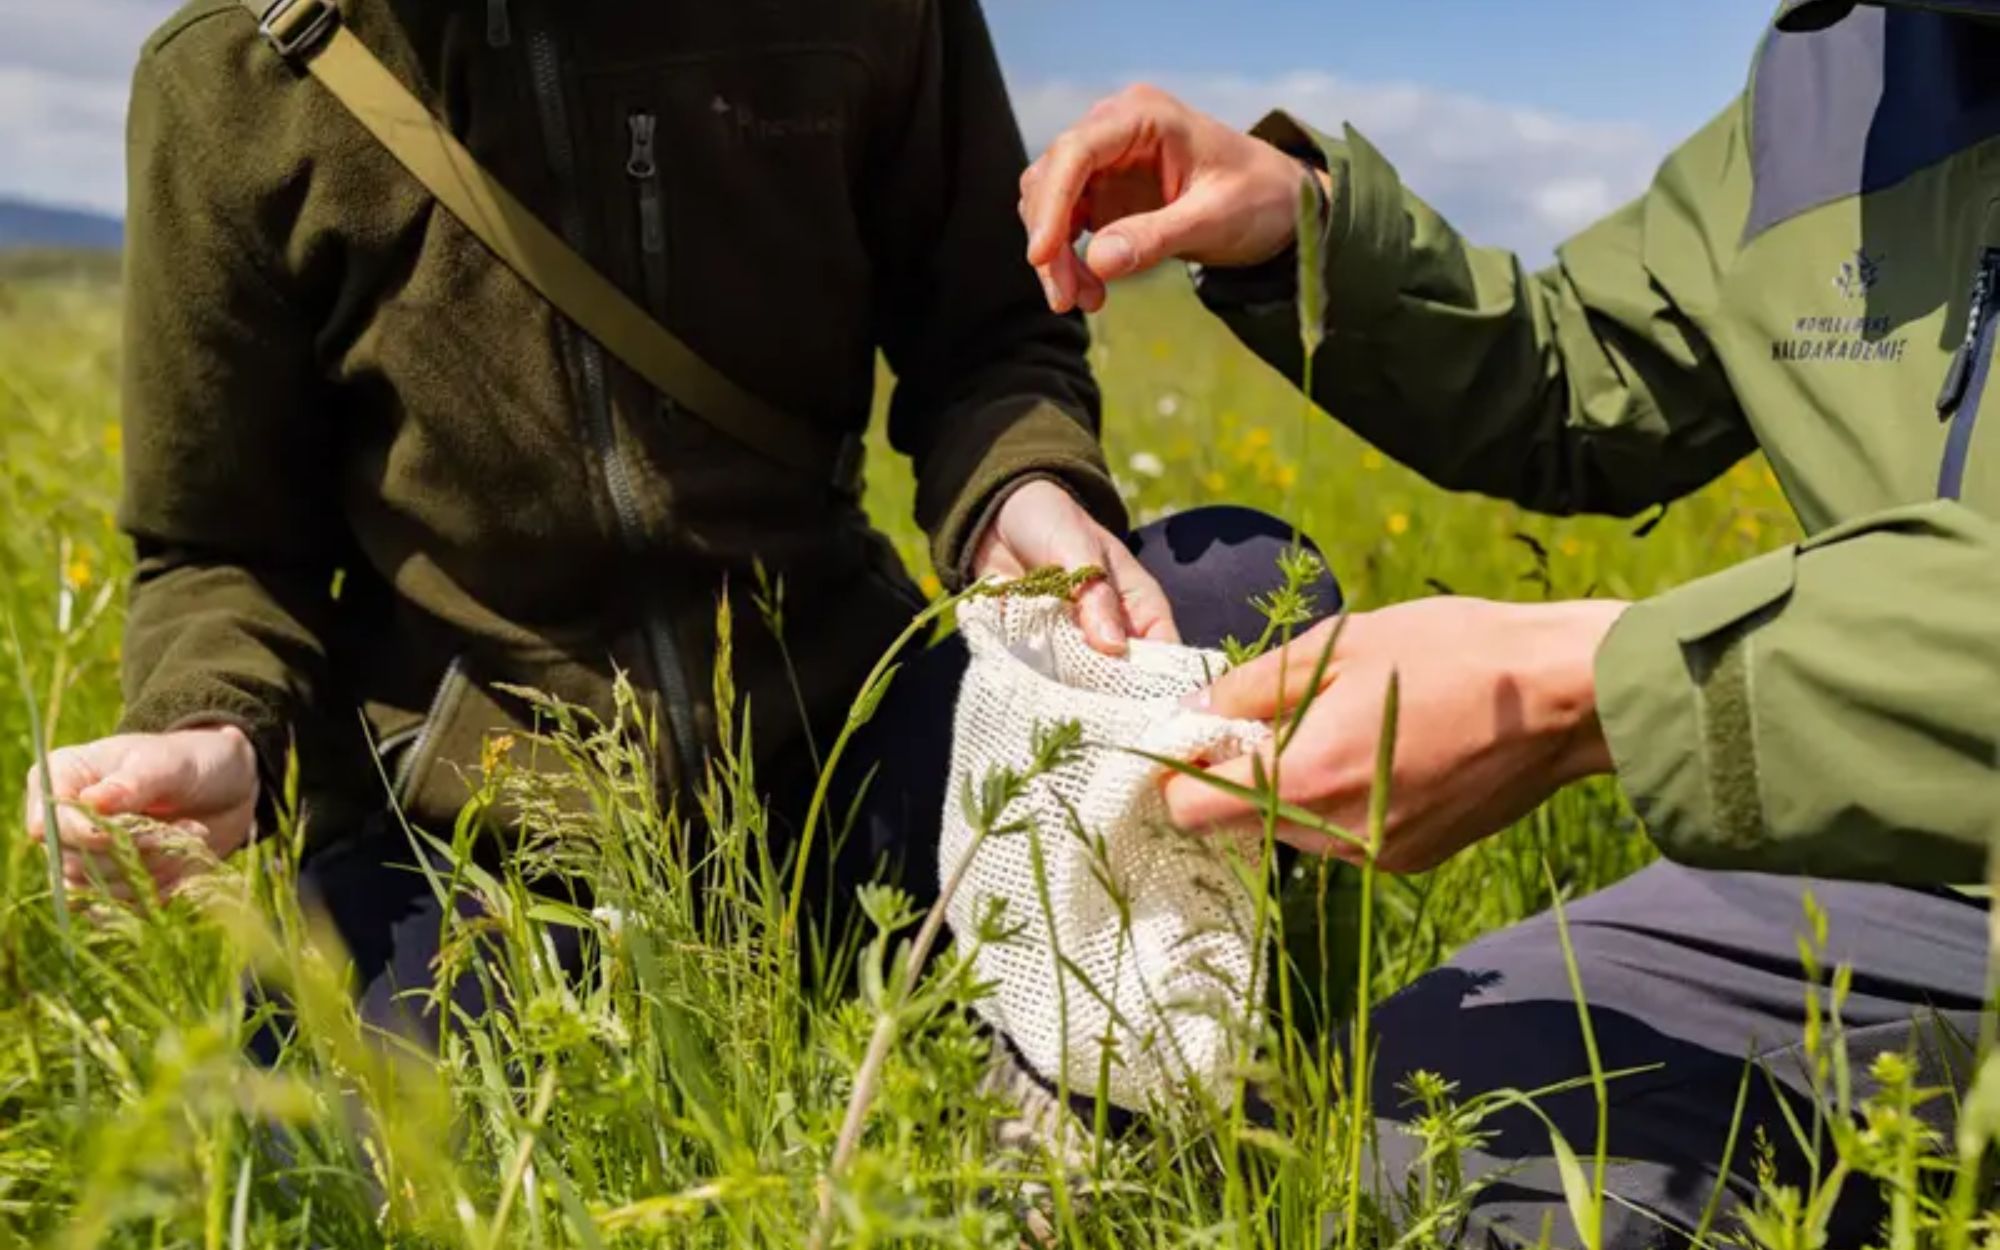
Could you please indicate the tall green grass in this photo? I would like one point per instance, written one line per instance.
(697, 1089)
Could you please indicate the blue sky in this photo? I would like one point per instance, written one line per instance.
(1521, 119)
(1669, 65)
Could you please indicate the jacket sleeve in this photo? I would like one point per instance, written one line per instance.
(1831, 708)
(991, 387)
(227, 497)
(1586, 387)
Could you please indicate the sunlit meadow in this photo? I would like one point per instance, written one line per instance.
(692, 1092)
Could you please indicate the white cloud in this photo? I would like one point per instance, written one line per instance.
(60, 139)
(65, 66)
(1506, 175)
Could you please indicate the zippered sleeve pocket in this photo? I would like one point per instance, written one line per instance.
(477, 721)
(409, 755)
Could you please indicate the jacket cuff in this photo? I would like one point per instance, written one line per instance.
(1366, 239)
(995, 452)
(1674, 698)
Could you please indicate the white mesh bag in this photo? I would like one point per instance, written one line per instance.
(1188, 969)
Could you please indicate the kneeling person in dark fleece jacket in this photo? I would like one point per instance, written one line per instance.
(374, 479)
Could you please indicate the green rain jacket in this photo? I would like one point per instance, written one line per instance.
(331, 384)
(1815, 275)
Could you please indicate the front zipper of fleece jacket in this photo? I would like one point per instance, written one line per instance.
(545, 71)
(642, 167)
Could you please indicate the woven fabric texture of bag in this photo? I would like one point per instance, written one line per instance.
(1175, 970)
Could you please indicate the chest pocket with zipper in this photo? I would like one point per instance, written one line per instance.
(730, 202)
(725, 184)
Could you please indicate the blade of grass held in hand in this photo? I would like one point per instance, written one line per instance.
(1291, 813)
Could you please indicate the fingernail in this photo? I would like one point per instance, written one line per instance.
(1115, 256)
(1199, 700)
(1048, 287)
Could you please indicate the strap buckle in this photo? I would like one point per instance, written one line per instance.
(296, 28)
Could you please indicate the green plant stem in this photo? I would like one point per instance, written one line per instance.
(869, 698)
(1594, 1235)
(881, 1041)
(51, 829)
(1358, 1078)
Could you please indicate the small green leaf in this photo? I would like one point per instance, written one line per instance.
(568, 916)
(239, 1210)
(870, 698)
(1385, 765)
(1576, 1191)
(1979, 1122)
(1270, 1143)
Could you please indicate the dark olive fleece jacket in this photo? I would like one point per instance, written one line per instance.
(373, 478)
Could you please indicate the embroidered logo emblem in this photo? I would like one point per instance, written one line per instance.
(748, 123)
(1857, 276)
(1862, 335)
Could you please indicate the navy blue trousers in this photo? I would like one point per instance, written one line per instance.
(1690, 975)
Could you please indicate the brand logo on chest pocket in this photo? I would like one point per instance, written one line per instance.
(746, 121)
(1861, 335)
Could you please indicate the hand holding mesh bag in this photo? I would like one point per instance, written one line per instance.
(1154, 926)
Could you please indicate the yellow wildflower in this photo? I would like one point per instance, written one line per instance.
(1213, 482)
(1372, 460)
(1749, 526)
(1398, 524)
(1571, 547)
(494, 751)
(1285, 477)
(931, 586)
(77, 573)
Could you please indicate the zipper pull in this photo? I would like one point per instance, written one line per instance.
(1959, 373)
(1955, 379)
(643, 166)
(640, 162)
(499, 24)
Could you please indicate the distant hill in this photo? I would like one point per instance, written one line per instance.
(40, 226)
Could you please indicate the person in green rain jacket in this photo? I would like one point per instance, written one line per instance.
(375, 481)
(1816, 276)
